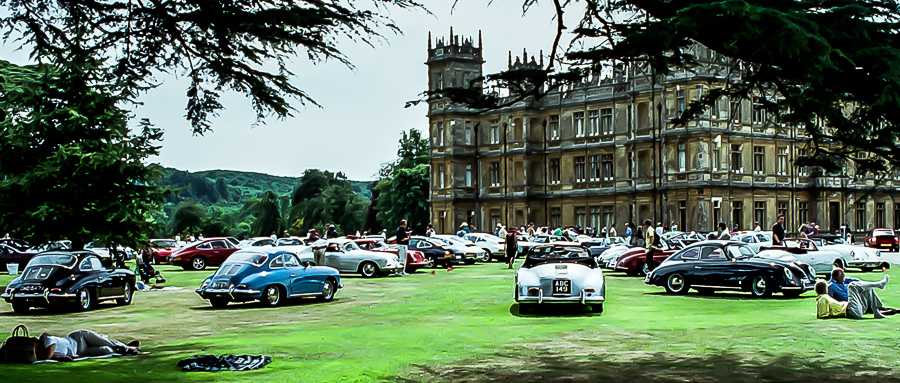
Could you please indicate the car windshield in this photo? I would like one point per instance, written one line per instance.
(557, 252)
(350, 246)
(94, 245)
(163, 244)
(53, 260)
(248, 257)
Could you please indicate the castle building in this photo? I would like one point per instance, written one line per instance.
(604, 153)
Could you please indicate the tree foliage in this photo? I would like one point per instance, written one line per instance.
(238, 45)
(323, 197)
(69, 165)
(402, 193)
(826, 66)
(268, 215)
(189, 217)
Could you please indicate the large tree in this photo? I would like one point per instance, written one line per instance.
(404, 185)
(323, 197)
(827, 66)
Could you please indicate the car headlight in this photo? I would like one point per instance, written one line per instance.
(788, 274)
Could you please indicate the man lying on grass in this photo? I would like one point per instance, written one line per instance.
(82, 343)
(859, 298)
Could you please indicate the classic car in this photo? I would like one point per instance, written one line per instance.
(68, 277)
(344, 255)
(559, 273)
(52, 245)
(257, 241)
(436, 252)
(162, 249)
(525, 245)
(805, 251)
(103, 251)
(598, 245)
(883, 238)
(494, 247)
(198, 255)
(18, 244)
(546, 238)
(468, 252)
(292, 241)
(270, 275)
(415, 260)
(730, 265)
(608, 258)
(9, 254)
(753, 239)
(859, 257)
(634, 261)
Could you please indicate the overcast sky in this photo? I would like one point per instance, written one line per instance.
(362, 113)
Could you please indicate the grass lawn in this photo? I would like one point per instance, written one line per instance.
(463, 326)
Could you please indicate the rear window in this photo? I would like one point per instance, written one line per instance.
(230, 269)
(889, 233)
(53, 260)
(557, 252)
(248, 257)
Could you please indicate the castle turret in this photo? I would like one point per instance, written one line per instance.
(453, 62)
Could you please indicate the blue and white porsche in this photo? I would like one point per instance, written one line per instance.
(270, 275)
(560, 273)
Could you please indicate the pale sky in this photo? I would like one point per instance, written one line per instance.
(362, 113)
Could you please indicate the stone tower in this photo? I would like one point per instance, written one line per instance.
(453, 62)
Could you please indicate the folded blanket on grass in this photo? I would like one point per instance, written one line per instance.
(231, 362)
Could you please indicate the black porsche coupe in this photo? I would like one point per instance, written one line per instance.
(75, 278)
(730, 265)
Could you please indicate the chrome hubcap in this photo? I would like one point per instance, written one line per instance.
(676, 283)
(646, 269)
(327, 290)
(127, 292)
(759, 285)
(486, 257)
(198, 263)
(272, 294)
(85, 298)
(368, 269)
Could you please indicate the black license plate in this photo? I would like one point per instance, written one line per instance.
(32, 288)
(562, 286)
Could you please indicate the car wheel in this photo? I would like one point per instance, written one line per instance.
(431, 263)
(218, 303)
(327, 291)
(840, 264)
(85, 300)
(198, 263)
(597, 308)
(761, 286)
(129, 293)
(791, 293)
(645, 268)
(524, 309)
(885, 266)
(486, 257)
(271, 296)
(676, 284)
(368, 269)
(20, 307)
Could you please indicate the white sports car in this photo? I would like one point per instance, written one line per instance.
(864, 258)
(560, 273)
(346, 256)
(806, 251)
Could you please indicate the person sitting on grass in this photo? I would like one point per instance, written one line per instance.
(82, 343)
(862, 300)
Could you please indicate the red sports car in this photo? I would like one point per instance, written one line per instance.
(162, 249)
(632, 262)
(414, 259)
(881, 238)
(212, 251)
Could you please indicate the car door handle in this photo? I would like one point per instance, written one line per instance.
(292, 275)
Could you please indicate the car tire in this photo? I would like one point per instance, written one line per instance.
(644, 269)
(760, 286)
(86, 300)
(597, 308)
(129, 294)
(328, 290)
(524, 309)
(271, 296)
(432, 264)
(20, 307)
(368, 269)
(198, 263)
(885, 266)
(487, 256)
(219, 303)
(676, 284)
(840, 264)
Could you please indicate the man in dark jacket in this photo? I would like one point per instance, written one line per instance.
(512, 247)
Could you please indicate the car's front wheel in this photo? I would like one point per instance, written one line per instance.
(328, 291)
(368, 269)
(198, 263)
(431, 263)
(129, 294)
(271, 296)
(86, 300)
(487, 256)
(761, 286)
(20, 307)
(676, 284)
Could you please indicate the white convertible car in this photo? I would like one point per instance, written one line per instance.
(864, 258)
(560, 273)
(806, 251)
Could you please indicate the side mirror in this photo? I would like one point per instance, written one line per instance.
(304, 263)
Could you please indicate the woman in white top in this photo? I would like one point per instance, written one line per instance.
(82, 343)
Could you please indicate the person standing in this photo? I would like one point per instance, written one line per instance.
(501, 230)
(724, 232)
(402, 243)
(177, 237)
(531, 230)
(429, 232)
(331, 232)
(674, 226)
(512, 247)
(612, 231)
(640, 236)
(659, 229)
(778, 231)
(273, 237)
(756, 227)
(628, 233)
(461, 233)
(652, 240)
(465, 227)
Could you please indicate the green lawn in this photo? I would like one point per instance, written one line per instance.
(462, 326)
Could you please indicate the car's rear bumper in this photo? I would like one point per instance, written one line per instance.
(584, 296)
(39, 298)
(232, 294)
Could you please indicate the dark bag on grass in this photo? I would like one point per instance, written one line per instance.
(20, 348)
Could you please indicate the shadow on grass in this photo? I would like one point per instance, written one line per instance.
(730, 295)
(653, 367)
(553, 310)
(59, 310)
(251, 305)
